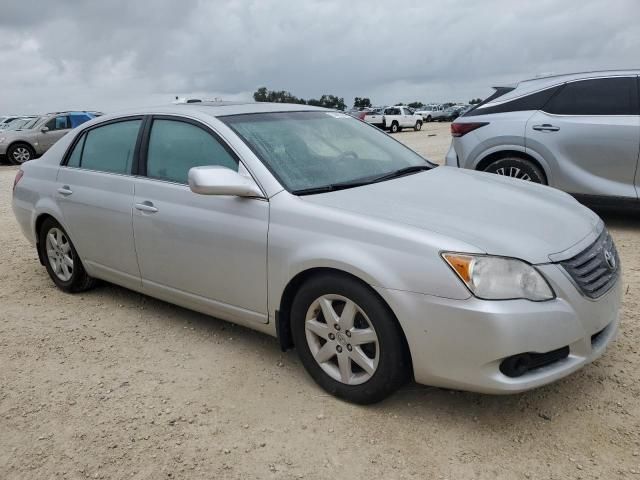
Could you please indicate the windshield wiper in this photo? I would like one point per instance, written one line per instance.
(331, 187)
(401, 173)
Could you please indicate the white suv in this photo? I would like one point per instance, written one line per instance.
(399, 117)
(429, 113)
(578, 132)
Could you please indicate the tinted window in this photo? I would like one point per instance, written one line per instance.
(59, 123)
(604, 96)
(175, 147)
(110, 148)
(74, 158)
(534, 101)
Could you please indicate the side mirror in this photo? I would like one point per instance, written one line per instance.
(215, 180)
(44, 129)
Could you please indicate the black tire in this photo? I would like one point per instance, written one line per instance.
(429, 119)
(418, 126)
(79, 281)
(18, 153)
(393, 367)
(395, 127)
(520, 168)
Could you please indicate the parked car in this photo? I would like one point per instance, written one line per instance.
(20, 123)
(399, 117)
(315, 228)
(375, 117)
(430, 113)
(22, 145)
(578, 132)
(450, 114)
(5, 121)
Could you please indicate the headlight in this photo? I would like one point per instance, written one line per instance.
(499, 278)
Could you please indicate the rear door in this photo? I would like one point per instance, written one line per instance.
(589, 134)
(95, 194)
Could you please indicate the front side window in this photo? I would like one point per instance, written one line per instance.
(602, 96)
(175, 147)
(109, 148)
(308, 150)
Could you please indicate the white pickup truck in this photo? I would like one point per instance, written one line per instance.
(432, 112)
(396, 118)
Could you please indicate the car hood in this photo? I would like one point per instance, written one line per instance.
(497, 215)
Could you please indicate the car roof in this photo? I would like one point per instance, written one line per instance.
(525, 87)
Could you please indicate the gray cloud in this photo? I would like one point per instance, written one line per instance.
(108, 55)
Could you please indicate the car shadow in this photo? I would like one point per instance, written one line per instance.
(627, 219)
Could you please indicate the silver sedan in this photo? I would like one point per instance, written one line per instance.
(322, 231)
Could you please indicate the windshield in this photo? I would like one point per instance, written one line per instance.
(311, 150)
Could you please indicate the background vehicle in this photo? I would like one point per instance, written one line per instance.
(375, 117)
(351, 226)
(576, 132)
(5, 121)
(450, 114)
(20, 123)
(22, 145)
(432, 112)
(399, 117)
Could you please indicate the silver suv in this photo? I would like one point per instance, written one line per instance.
(28, 143)
(578, 132)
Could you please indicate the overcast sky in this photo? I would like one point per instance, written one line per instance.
(73, 54)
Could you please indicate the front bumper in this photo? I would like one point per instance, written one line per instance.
(461, 343)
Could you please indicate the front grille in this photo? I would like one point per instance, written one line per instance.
(595, 269)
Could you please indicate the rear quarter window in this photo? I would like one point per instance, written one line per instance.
(533, 101)
(602, 96)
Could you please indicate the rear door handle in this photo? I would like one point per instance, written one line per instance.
(65, 190)
(546, 127)
(146, 207)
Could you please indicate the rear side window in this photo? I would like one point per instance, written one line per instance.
(59, 123)
(175, 147)
(109, 148)
(74, 158)
(533, 101)
(603, 96)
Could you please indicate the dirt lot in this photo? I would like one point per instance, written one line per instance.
(112, 384)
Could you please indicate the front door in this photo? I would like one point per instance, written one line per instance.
(56, 128)
(204, 252)
(95, 194)
(589, 133)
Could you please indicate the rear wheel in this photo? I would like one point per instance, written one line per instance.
(19, 153)
(61, 259)
(429, 119)
(395, 128)
(520, 168)
(418, 126)
(348, 339)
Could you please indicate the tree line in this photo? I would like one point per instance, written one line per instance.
(263, 94)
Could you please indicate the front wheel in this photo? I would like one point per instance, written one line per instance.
(61, 259)
(348, 339)
(519, 168)
(395, 128)
(429, 119)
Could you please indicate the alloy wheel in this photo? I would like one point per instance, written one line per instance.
(342, 339)
(21, 154)
(59, 254)
(513, 172)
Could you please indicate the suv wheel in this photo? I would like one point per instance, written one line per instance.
(429, 119)
(520, 168)
(418, 126)
(348, 340)
(395, 128)
(20, 153)
(61, 259)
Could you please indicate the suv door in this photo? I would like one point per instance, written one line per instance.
(95, 194)
(407, 117)
(202, 251)
(52, 131)
(589, 135)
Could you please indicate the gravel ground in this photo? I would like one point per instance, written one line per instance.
(113, 384)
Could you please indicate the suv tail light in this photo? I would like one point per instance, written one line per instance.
(460, 129)
(19, 176)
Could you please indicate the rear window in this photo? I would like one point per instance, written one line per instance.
(533, 101)
(602, 96)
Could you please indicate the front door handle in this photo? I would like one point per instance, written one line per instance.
(65, 190)
(146, 207)
(546, 127)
